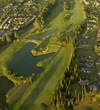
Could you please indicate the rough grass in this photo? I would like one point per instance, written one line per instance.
(41, 89)
(56, 18)
(86, 104)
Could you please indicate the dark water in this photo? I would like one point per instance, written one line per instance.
(24, 62)
(5, 86)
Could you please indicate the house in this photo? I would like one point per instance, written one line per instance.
(93, 86)
(99, 74)
(5, 21)
(10, 20)
(92, 21)
(88, 71)
(82, 70)
(86, 36)
(83, 82)
(82, 75)
(89, 27)
(88, 64)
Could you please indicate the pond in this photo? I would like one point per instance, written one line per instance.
(24, 63)
(5, 86)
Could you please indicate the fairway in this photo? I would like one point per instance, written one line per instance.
(41, 90)
(47, 54)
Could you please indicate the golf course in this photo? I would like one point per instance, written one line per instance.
(42, 56)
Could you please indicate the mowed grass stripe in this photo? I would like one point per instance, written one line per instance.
(46, 94)
(56, 18)
(21, 102)
(77, 14)
(36, 84)
(17, 92)
(53, 68)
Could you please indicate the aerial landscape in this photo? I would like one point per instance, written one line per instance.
(49, 54)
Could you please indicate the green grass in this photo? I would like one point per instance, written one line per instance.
(56, 18)
(47, 46)
(8, 53)
(77, 13)
(41, 90)
(55, 66)
(14, 93)
(87, 104)
(43, 35)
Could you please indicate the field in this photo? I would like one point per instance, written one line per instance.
(50, 66)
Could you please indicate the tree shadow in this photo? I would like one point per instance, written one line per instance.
(69, 27)
(71, 33)
(40, 86)
(68, 16)
(43, 35)
(53, 16)
(24, 62)
(5, 86)
(4, 47)
(72, 4)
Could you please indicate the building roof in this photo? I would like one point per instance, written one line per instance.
(83, 82)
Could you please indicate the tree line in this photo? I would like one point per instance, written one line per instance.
(67, 94)
(16, 78)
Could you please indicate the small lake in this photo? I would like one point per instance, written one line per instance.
(24, 62)
(5, 86)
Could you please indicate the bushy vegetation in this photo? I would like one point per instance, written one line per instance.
(3, 2)
(97, 49)
(16, 78)
(66, 95)
(44, 10)
(61, 64)
(7, 39)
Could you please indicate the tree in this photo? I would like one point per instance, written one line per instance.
(44, 106)
(16, 36)
(52, 1)
(8, 39)
(66, 5)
